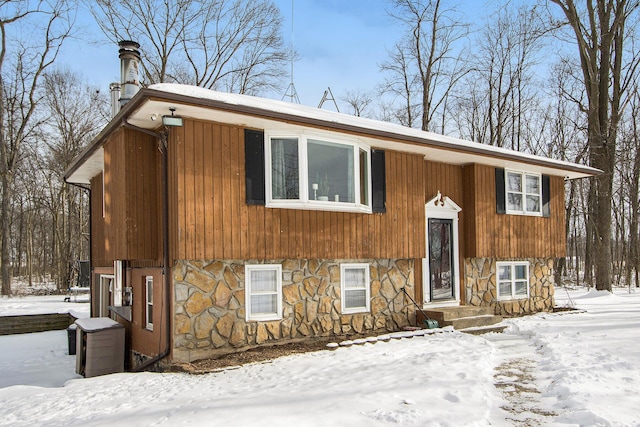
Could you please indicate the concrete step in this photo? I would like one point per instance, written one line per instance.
(449, 313)
(473, 321)
(462, 317)
(485, 329)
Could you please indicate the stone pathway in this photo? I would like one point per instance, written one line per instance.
(520, 381)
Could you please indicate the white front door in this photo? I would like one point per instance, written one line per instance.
(440, 275)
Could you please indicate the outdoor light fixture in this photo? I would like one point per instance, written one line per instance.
(172, 120)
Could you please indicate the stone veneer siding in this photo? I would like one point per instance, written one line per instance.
(480, 282)
(209, 301)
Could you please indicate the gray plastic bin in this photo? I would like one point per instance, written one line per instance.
(99, 346)
(71, 337)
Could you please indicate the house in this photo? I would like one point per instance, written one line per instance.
(248, 221)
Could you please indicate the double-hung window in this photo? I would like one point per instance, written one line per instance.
(355, 288)
(148, 311)
(305, 172)
(513, 280)
(263, 292)
(524, 193)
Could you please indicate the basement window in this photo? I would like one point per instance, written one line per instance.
(355, 288)
(513, 280)
(263, 292)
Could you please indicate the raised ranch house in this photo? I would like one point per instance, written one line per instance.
(248, 221)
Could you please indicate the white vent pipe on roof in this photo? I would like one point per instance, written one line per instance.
(129, 64)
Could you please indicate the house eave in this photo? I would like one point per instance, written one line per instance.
(247, 111)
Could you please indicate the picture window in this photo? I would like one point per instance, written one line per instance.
(317, 173)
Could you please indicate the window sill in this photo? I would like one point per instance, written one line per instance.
(266, 318)
(513, 298)
(149, 328)
(356, 311)
(123, 311)
(538, 214)
(320, 206)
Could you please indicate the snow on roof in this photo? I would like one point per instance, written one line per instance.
(251, 111)
(365, 124)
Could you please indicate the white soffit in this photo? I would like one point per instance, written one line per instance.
(91, 167)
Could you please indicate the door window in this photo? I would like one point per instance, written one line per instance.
(441, 272)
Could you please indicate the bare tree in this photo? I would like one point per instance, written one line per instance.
(76, 113)
(359, 101)
(22, 65)
(228, 45)
(600, 32)
(566, 136)
(629, 169)
(401, 84)
(427, 63)
(501, 85)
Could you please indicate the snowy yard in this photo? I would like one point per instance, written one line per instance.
(573, 368)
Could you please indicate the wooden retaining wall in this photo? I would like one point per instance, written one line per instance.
(10, 325)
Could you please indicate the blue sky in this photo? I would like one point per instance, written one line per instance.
(341, 44)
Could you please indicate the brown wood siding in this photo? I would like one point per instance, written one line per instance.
(212, 220)
(115, 200)
(129, 228)
(143, 197)
(510, 236)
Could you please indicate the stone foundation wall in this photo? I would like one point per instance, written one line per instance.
(209, 316)
(480, 283)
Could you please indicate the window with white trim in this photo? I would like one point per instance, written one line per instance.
(355, 288)
(318, 173)
(148, 310)
(263, 291)
(119, 270)
(524, 193)
(513, 280)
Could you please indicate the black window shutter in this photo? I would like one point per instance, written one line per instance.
(378, 182)
(546, 196)
(500, 196)
(254, 166)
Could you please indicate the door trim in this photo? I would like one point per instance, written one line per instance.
(105, 292)
(441, 207)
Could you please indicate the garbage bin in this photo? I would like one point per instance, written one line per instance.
(71, 337)
(100, 346)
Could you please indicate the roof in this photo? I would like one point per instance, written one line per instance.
(194, 102)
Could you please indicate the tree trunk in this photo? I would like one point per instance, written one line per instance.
(602, 211)
(5, 254)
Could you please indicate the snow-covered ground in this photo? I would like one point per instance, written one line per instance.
(574, 368)
(15, 306)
